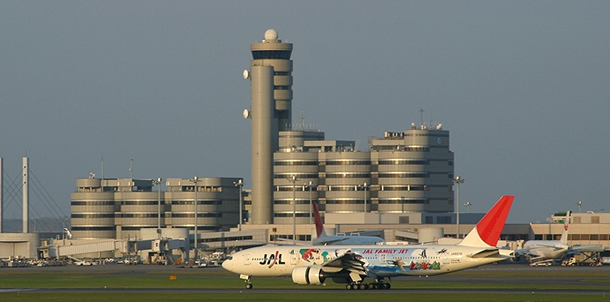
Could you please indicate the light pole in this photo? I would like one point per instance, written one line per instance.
(310, 205)
(196, 181)
(158, 183)
(239, 184)
(579, 206)
(457, 182)
(365, 187)
(293, 180)
(467, 205)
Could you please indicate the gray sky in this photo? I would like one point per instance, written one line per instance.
(522, 86)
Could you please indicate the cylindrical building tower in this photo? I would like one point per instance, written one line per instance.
(414, 170)
(138, 207)
(348, 179)
(271, 96)
(93, 210)
(293, 161)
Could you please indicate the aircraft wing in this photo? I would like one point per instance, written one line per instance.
(587, 248)
(291, 242)
(529, 252)
(348, 262)
(328, 240)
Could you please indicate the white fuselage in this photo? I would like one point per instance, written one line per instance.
(382, 261)
(348, 240)
(548, 249)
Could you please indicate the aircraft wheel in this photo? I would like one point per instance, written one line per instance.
(249, 286)
(386, 286)
(361, 286)
(348, 286)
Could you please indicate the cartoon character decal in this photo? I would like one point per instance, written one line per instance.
(314, 256)
(425, 264)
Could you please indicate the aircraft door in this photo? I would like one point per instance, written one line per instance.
(382, 258)
(293, 257)
(446, 259)
(247, 259)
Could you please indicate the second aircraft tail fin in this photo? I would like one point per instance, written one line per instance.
(320, 232)
(566, 224)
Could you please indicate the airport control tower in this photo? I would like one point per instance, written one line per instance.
(271, 95)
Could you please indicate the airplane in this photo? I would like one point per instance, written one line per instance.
(352, 264)
(324, 239)
(543, 252)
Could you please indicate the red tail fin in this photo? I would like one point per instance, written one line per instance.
(488, 230)
(318, 220)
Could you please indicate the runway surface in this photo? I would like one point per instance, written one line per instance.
(490, 279)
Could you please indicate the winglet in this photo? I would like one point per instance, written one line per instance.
(487, 232)
(319, 226)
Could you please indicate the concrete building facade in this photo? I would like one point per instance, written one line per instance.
(119, 208)
(402, 172)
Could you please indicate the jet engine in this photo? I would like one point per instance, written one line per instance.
(308, 275)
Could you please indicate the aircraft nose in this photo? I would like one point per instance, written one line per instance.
(228, 264)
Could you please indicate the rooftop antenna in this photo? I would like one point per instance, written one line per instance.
(302, 120)
(421, 116)
(131, 167)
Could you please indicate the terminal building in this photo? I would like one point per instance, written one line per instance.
(401, 185)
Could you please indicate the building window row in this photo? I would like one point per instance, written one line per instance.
(92, 216)
(403, 201)
(271, 54)
(593, 237)
(347, 162)
(289, 201)
(345, 201)
(143, 215)
(139, 202)
(202, 228)
(92, 203)
(289, 214)
(300, 188)
(190, 202)
(88, 190)
(192, 215)
(404, 162)
(201, 188)
(99, 228)
(348, 175)
(343, 188)
(404, 188)
(134, 228)
(402, 148)
(403, 175)
(227, 239)
(428, 134)
(296, 163)
(300, 176)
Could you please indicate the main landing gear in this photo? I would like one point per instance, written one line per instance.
(375, 285)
